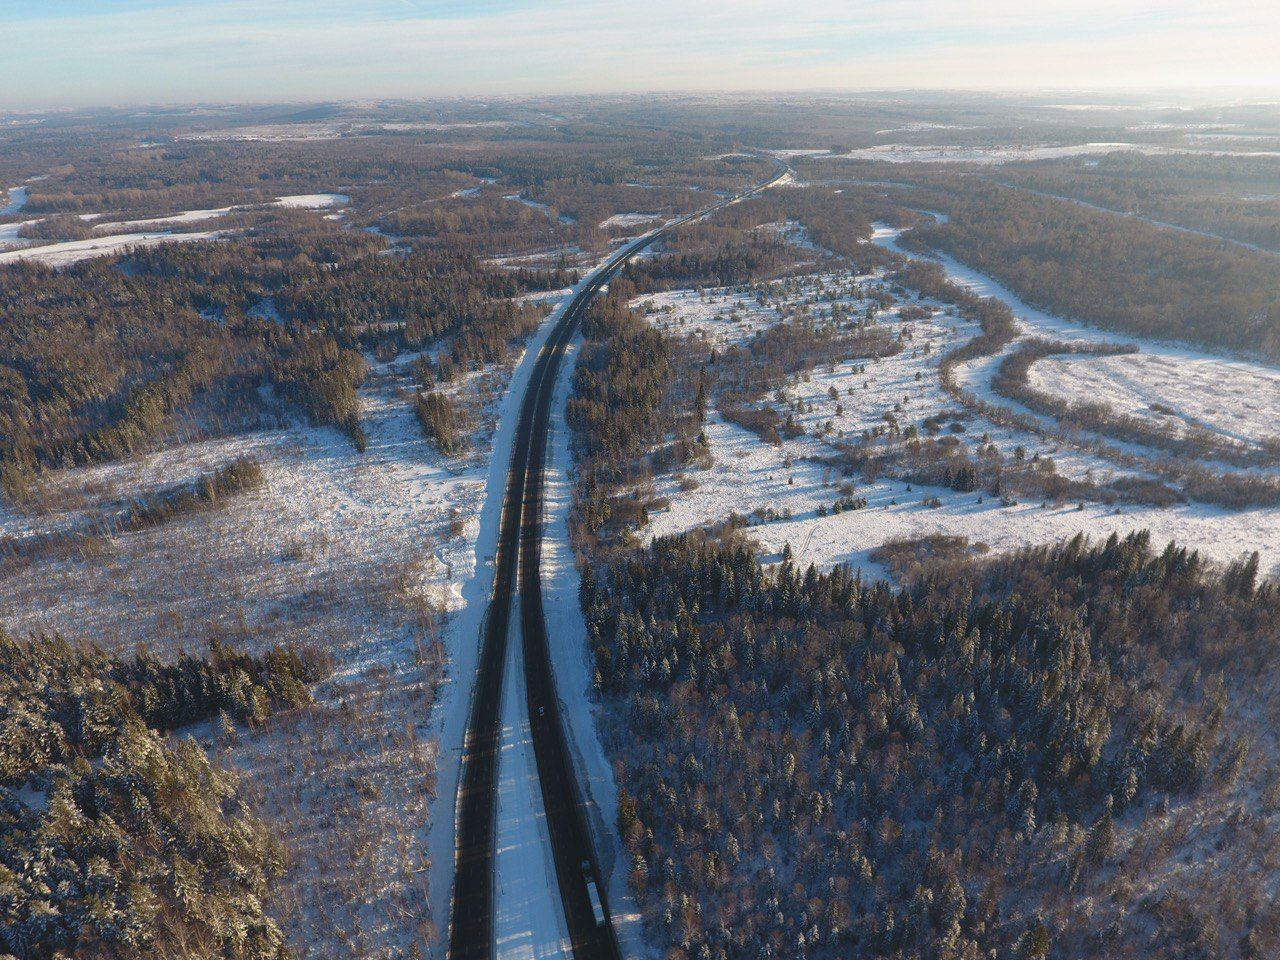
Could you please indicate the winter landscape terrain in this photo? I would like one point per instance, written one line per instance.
(909, 536)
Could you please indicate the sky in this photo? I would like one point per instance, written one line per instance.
(105, 52)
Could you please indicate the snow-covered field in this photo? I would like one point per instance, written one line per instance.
(17, 199)
(958, 153)
(358, 554)
(139, 233)
(625, 220)
(788, 486)
(313, 201)
(536, 205)
(67, 252)
(1234, 398)
(1196, 394)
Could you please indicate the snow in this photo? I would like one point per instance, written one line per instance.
(473, 586)
(520, 197)
(9, 233)
(528, 916)
(313, 201)
(749, 475)
(17, 200)
(1237, 399)
(1012, 153)
(140, 233)
(186, 216)
(788, 484)
(1194, 369)
(73, 251)
(573, 668)
(472, 583)
(629, 220)
(337, 549)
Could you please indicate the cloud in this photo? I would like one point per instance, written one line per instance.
(186, 50)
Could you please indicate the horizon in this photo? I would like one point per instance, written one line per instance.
(190, 52)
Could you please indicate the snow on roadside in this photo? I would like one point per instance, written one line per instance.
(528, 918)
(574, 672)
(473, 586)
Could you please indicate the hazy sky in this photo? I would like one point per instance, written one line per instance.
(58, 52)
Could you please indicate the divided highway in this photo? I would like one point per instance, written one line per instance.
(471, 928)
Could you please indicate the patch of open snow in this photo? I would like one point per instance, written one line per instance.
(528, 918)
(788, 481)
(630, 220)
(749, 474)
(521, 198)
(302, 201)
(313, 201)
(1234, 398)
(186, 216)
(956, 153)
(17, 200)
(1196, 393)
(9, 236)
(73, 251)
(573, 668)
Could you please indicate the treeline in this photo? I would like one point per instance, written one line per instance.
(618, 409)
(814, 766)
(441, 421)
(709, 254)
(97, 362)
(1116, 272)
(116, 842)
(1233, 196)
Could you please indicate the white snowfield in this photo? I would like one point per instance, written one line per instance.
(625, 220)
(537, 205)
(1234, 398)
(524, 911)
(16, 201)
(313, 201)
(9, 233)
(67, 252)
(1193, 389)
(787, 485)
(960, 153)
(73, 251)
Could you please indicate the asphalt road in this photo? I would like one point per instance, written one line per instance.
(471, 934)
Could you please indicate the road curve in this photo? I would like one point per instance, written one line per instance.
(519, 550)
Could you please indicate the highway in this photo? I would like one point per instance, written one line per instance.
(517, 562)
